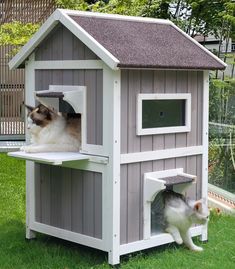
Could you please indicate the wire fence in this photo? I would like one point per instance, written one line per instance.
(222, 156)
(12, 82)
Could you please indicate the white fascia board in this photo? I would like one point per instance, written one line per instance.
(199, 45)
(56, 17)
(114, 16)
(88, 40)
(29, 47)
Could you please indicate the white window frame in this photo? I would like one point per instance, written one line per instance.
(163, 130)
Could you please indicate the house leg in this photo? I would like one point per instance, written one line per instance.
(113, 258)
(30, 234)
(204, 235)
(30, 195)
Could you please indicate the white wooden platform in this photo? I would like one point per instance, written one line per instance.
(56, 158)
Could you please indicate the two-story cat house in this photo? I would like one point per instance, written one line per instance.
(141, 87)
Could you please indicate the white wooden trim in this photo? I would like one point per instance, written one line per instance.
(111, 191)
(68, 235)
(205, 137)
(89, 41)
(69, 64)
(164, 96)
(107, 115)
(93, 149)
(114, 257)
(87, 166)
(160, 154)
(154, 183)
(30, 196)
(199, 45)
(107, 184)
(163, 130)
(154, 241)
(152, 187)
(30, 166)
(114, 16)
(30, 46)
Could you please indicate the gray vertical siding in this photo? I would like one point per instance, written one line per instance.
(93, 80)
(131, 213)
(61, 44)
(158, 81)
(69, 199)
(155, 81)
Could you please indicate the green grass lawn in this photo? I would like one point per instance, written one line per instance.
(48, 252)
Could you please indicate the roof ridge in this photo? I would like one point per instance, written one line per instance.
(115, 16)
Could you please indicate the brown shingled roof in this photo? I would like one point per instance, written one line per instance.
(139, 44)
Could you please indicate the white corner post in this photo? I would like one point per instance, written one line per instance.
(111, 196)
(30, 166)
(205, 143)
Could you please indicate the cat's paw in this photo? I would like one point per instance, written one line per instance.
(196, 248)
(179, 241)
(175, 235)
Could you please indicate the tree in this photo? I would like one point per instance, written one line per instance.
(16, 33)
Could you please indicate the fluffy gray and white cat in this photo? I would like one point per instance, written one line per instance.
(51, 131)
(178, 215)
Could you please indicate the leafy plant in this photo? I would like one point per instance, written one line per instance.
(72, 4)
(16, 34)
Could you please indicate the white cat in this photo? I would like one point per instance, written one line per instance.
(180, 214)
(51, 131)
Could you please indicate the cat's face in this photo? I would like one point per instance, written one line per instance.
(200, 212)
(39, 116)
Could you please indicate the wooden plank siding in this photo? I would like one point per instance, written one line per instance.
(149, 81)
(155, 81)
(66, 198)
(131, 214)
(61, 44)
(93, 80)
(69, 199)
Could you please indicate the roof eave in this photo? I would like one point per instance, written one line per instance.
(89, 41)
(30, 46)
(62, 17)
(224, 65)
(137, 66)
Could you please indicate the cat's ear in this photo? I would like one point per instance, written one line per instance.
(48, 111)
(198, 206)
(29, 108)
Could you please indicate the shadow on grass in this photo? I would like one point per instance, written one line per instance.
(151, 251)
(50, 252)
(44, 251)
